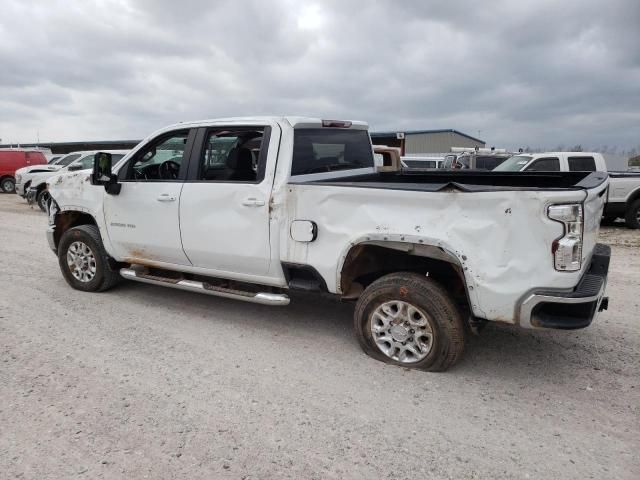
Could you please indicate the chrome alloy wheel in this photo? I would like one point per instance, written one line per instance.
(81, 261)
(401, 331)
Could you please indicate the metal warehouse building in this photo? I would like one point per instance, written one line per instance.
(425, 141)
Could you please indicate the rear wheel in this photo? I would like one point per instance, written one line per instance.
(8, 185)
(408, 319)
(83, 260)
(632, 217)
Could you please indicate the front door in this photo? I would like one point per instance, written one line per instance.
(224, 207)
(143, 221)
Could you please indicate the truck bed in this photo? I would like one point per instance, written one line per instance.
(471, 181)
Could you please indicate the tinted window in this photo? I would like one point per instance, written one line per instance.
(551, 164)
(318, 150)
(238, 155)
(488, 163)
(582, 164)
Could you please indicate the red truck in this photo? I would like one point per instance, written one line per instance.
(13, 159)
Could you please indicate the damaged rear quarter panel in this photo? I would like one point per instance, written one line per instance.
(501, 239)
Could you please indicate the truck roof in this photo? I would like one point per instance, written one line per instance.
(294, 121)
(578, 154)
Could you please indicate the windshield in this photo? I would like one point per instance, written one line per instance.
(513, 164)
(317, 150)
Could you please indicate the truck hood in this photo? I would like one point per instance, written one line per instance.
(38, 169)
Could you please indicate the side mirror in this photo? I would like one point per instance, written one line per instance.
(102, 174)
(73, 168)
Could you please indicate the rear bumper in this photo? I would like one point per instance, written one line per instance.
(572, 309)
(20, 189)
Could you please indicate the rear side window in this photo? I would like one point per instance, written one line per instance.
(317, 150)
(551, 164)
(235, 155)
(582, 164)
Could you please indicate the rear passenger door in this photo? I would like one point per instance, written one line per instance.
(224, 206)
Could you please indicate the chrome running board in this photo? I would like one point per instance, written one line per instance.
(200, 287)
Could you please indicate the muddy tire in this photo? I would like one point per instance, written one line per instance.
(632, 217)
(8, 185)
(84, 262)
(42, 199)
(408, 319)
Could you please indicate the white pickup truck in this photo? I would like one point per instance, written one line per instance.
(251, 208)
(623, 196)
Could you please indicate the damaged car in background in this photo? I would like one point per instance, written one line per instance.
(254, 208)
(31, 183)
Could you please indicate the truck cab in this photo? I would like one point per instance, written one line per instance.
(554, 162)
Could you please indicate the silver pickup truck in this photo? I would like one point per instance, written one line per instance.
(252, 208)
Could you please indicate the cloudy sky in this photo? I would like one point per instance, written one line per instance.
(515, 73)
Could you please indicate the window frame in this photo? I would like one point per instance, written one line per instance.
(536, 160)
(127, 169)
(200, 146)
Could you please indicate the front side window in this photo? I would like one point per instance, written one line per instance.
(317, 150)
(550, 164)
(513, 164)
(160, 160)
(582, 164)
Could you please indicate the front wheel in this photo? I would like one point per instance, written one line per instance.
(8, 185)
(43, 199)
(409, 320)
(83, 260)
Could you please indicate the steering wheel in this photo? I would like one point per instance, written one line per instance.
(169, 170)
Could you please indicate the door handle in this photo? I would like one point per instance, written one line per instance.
(165, 197)
(252, 202)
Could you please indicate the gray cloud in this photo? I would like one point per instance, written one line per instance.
(530, 72)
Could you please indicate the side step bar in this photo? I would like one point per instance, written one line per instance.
(200, 287)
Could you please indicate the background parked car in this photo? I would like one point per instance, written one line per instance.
(13, 159)
(23, 181)
(623, 194)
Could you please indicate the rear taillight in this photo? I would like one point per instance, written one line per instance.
(567, 250)
(336, 123)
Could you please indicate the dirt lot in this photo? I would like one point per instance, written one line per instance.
(147, 382)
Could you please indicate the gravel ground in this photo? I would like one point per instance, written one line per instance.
(148, 382)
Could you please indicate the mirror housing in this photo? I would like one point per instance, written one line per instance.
(102, 174)
(73, 168)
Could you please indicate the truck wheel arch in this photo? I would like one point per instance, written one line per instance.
(369, 260)
(68, 219)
